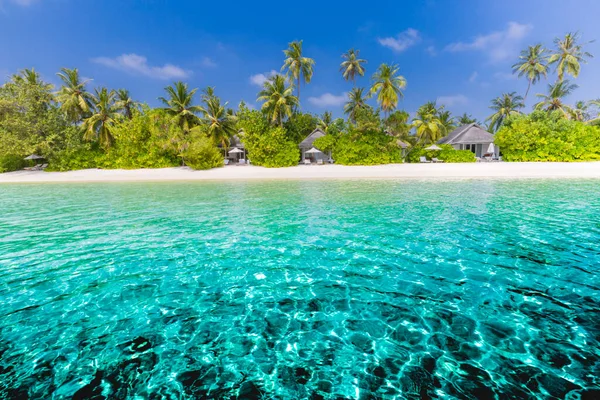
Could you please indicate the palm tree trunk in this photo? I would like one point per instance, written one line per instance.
(527, 92)
(298, 90)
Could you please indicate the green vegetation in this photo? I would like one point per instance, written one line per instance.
(447, 154)
(541, 136)
(75, 127)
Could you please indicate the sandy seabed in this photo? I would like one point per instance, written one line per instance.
(496, 170)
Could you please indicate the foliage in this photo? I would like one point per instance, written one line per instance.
(267, 146)
(299, 126)
(278, 99)
(203, 154)
(221, 125)
(504, 106)
(568, 55)
(388, 86)
(447, 154)
(542, 136)
(397, 124)
(533, 64)
(180, 105)
(428, 125)
(325, 143)
(75, 101)
(352, 65)
(297, 65)
(371, 148)
(11, 162)
(356, 101)
(554, 100)
(466, 119)
(101, 121)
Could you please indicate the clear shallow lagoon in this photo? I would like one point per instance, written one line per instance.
(292, 290)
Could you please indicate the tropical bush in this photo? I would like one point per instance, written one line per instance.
(11, 162)
(542, 136)
(370, 148)
(325, 143)
(267, 145)
(203, 154)
(447, 154)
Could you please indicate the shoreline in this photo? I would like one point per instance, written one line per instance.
(505, 170)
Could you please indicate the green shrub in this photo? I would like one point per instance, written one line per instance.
(202, 154)
(325, 143)
(541, 136)
(267, 146)
(11, 162)
(447, 154)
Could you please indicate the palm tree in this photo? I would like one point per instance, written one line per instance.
(356, 101)
(533, 63)
(554, 100)
(31, 77)
(568, 56)
(75, 100)
(325, 120)
(447, 120)
(125, 104)
(466, 119)
(220, 122)
(580, 111)
(297, 65)
(278, 99)
(595, 120)
(397, 124)
(428, 125)
(504, 106)
(100, 123)
(180, 105)
(352, 65)
(388, 85)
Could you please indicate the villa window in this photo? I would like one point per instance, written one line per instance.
(471, 147)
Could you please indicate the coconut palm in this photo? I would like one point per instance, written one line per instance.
(75, 100)
(31, 77)
(428, 126)
(125, 103)
(102, 119)
(581, 111)
(324, 121)
(388, 85)
(296, 65)
(220, 122)
(554, 100)
(278, 99)
(504, 106)
(352, 65)
(533, 64)
(568, 55)
(447, 120)
(179, 105)
(356, 101)
(466, 119)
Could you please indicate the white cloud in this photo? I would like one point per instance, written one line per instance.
(328, 100)
(499, 45)
(260, 79)
(431, 51)
(473, 77)
(208, 62)
(402, 41)
(454, 100)
(138, 65)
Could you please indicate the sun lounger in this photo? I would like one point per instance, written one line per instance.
(435, 160)
(226, 161)
(306, 161)
(320, 161)
(43, 167)
(424, 159)
(242, 161)
(36, 168)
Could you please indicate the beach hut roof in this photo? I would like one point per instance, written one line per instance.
(310, 139)
(468, 134)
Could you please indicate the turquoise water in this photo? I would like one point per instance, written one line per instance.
(300, 290)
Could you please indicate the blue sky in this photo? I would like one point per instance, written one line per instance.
(457, 52)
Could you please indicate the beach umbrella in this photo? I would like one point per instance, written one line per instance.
(235, 151)
(433, 147)
(33, 157)
(491, 149)
(313, 151)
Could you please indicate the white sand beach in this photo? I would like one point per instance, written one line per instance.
(392, 171)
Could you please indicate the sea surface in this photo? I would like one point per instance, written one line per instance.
(301, 290)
